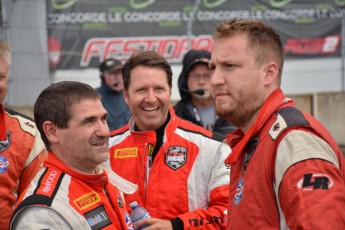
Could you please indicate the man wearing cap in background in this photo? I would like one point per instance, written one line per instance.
(111, 93)
(196, 104)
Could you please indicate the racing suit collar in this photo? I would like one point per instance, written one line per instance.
(238, 142)
(99, 179)
(3, 136)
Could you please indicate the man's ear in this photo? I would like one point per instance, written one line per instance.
(271, 73)
(125, 94)
(50, 131)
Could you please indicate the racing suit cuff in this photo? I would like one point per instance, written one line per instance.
(177, 224)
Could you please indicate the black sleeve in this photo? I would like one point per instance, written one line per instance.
(177, 224)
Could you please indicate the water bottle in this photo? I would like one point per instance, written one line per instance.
(138, 213)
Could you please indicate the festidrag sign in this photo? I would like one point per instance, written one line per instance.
(83, 33)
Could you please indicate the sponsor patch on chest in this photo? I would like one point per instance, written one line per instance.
(176, 157)
(239, 191)
(97, 218)
(129, 222)
(87, 200)
(4, 163)
(126, 152)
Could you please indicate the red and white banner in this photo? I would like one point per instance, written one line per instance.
(83, 33)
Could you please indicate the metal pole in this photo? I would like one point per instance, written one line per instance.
(315, 105)
(190, 23)
(7, 8)
(343, 52)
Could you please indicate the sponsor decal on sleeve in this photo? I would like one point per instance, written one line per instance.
(49, 183)
(207, 221)
(315, 181)
(30, 124)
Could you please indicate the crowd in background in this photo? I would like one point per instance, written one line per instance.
(233, 153)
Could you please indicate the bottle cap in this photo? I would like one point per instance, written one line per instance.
(134, 204)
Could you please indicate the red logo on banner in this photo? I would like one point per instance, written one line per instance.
(171, 48)
(54, 52)
(326, 45)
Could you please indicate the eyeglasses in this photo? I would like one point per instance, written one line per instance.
(196, 77)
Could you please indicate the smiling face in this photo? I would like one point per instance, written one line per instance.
(4, 69)
(148, 97)
(83, 145)
(237, 80)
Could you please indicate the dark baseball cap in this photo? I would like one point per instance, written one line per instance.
(111, 65)
(193, 57)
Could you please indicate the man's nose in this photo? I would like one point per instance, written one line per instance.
(102, 129)
(216, 78)
(150, 97)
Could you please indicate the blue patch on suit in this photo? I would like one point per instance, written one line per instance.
(239, 191)
(4, 163)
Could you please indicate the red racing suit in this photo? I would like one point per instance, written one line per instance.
(287, 172)
(84, 201)
(22, 152)
(187, 179)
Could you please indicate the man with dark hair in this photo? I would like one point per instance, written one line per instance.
(21, 148)
(287, 171)
(111, 93)
(197, 104)
(178, 166)
(74, 190)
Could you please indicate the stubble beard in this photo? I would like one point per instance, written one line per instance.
(101, 154)
(238, 112)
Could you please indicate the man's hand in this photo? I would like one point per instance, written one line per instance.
(153, 223)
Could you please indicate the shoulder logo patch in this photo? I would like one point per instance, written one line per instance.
(4, 144)
(176, 157)
(315, 181)
(278, 126)
(30, 124)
